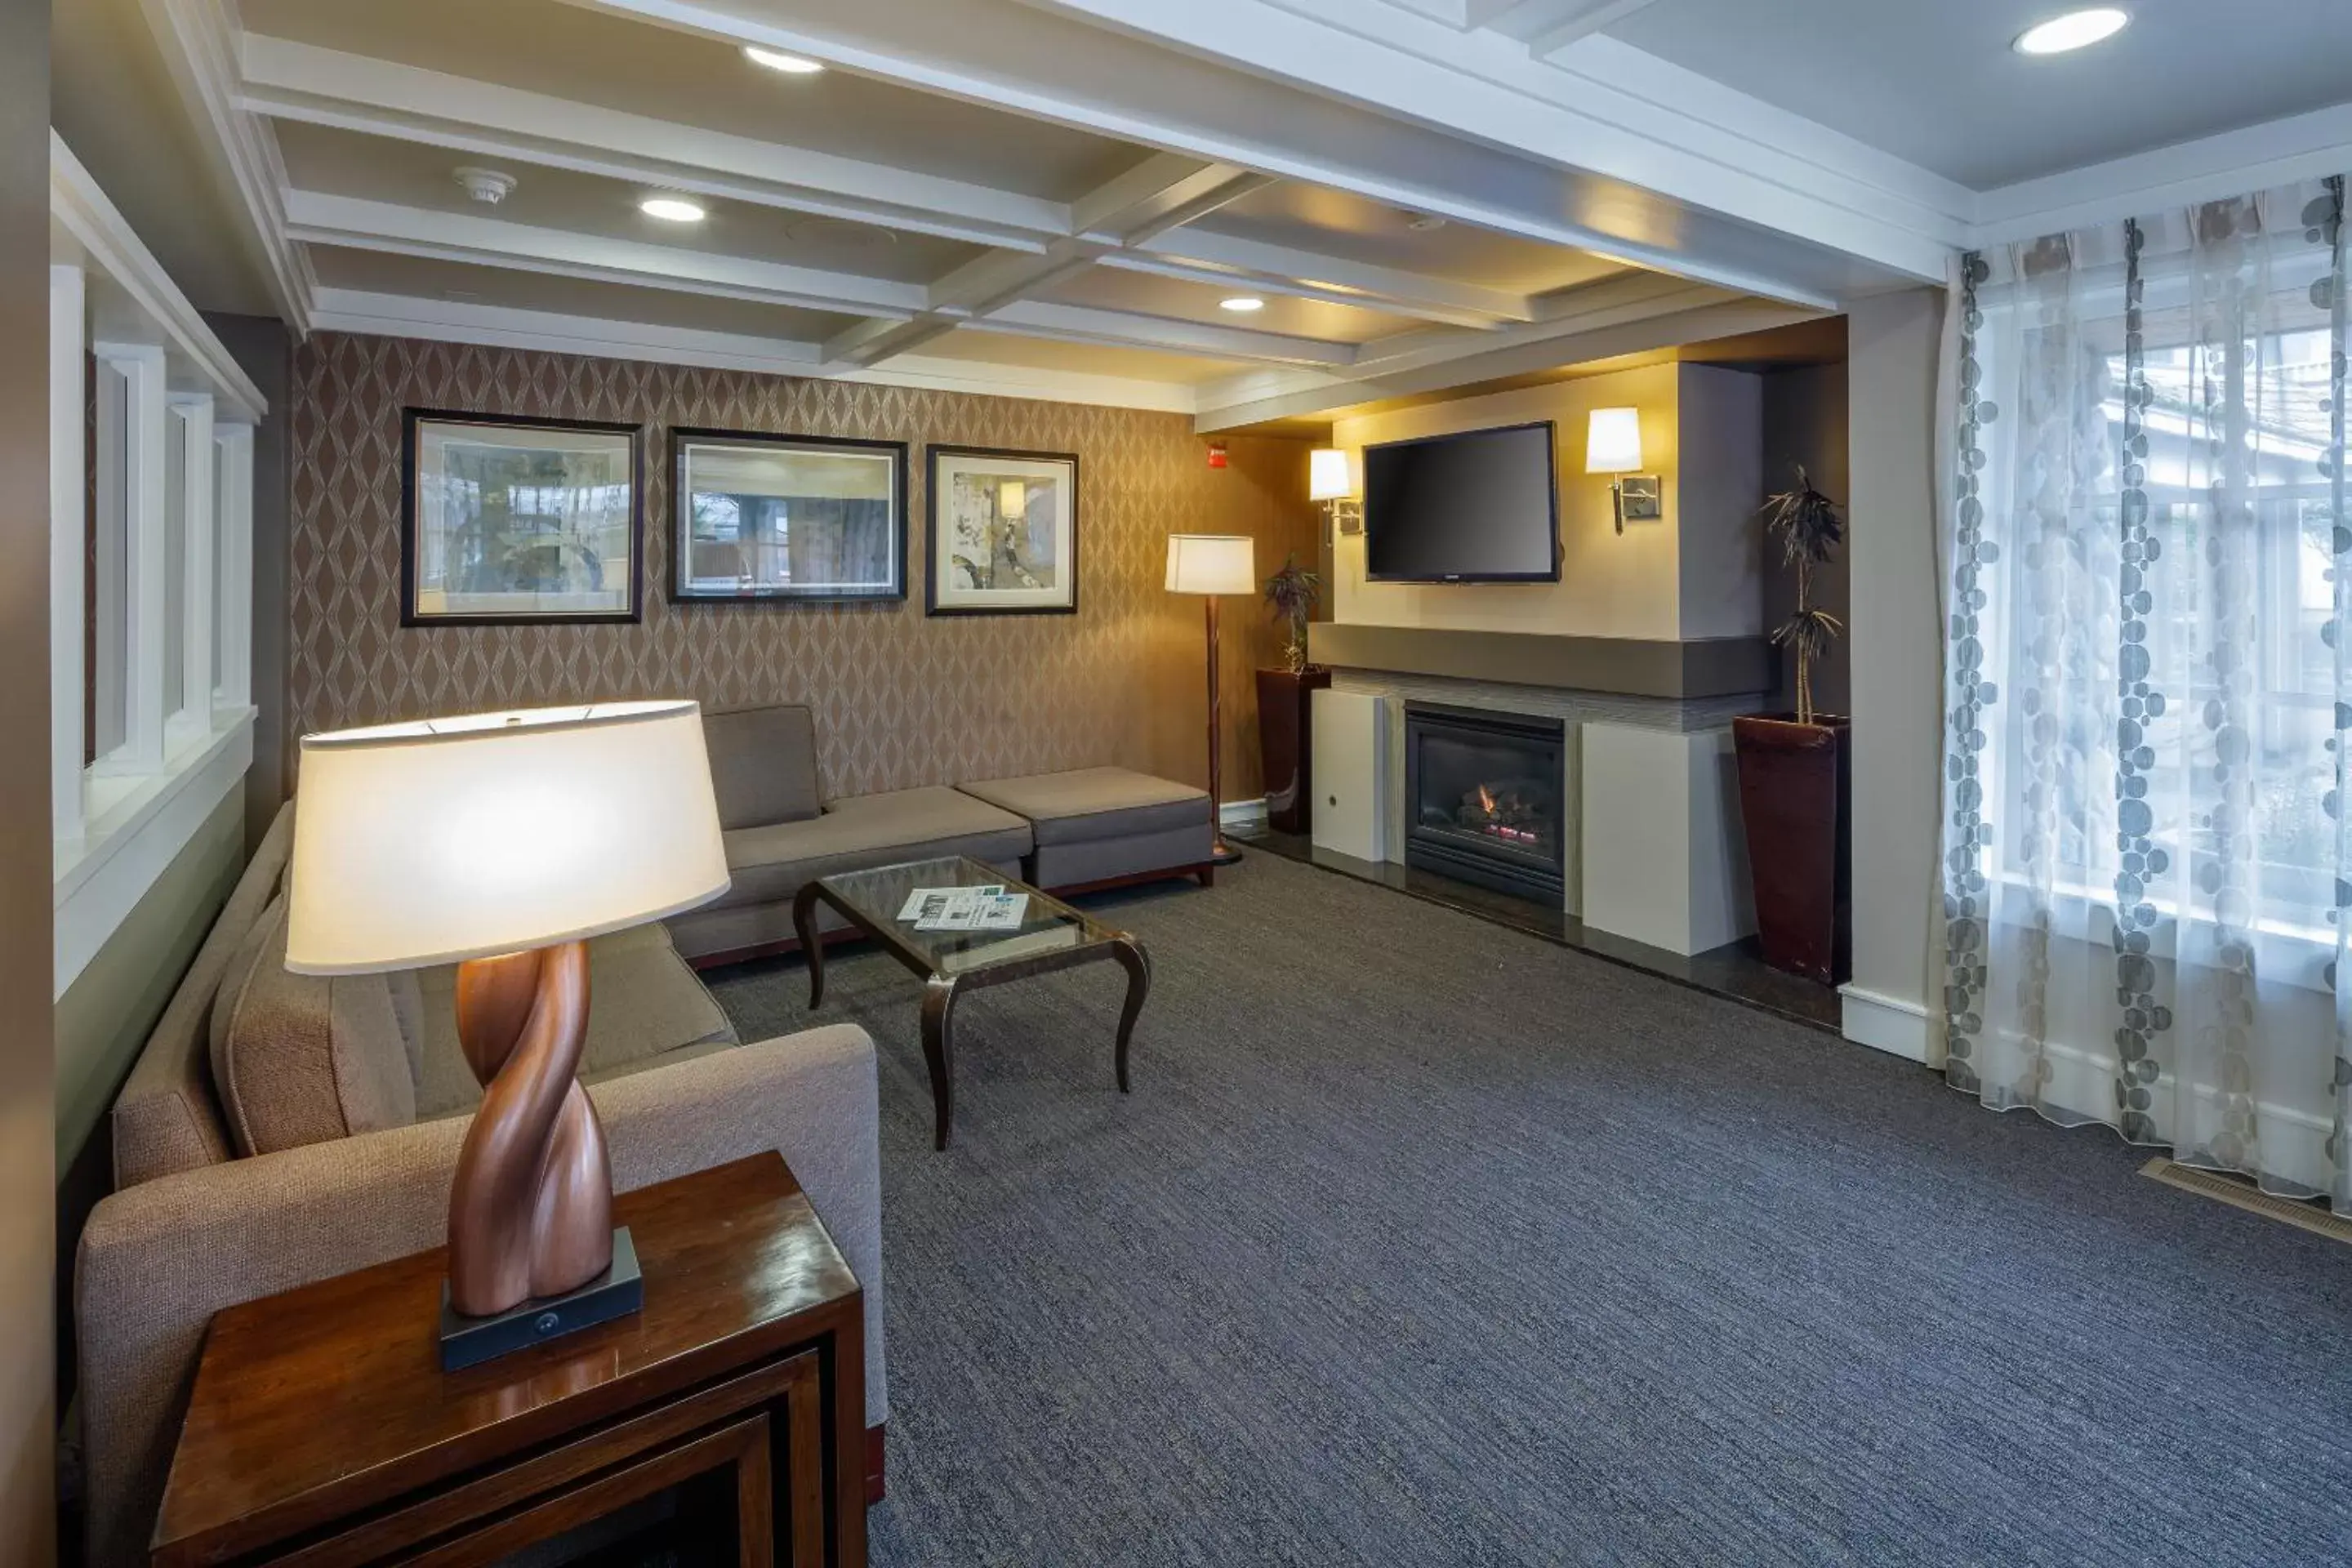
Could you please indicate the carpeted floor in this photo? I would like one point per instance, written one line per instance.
(1421, 1242)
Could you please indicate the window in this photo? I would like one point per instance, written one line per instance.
(151, 558)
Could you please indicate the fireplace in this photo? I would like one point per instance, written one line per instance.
(1483, 795)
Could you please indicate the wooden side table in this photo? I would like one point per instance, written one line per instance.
(323, 1431)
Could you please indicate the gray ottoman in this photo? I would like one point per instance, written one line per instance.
(1096, 825)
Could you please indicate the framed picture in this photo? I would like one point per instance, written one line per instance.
(508, 518)
(1004, 532)
(787, 517)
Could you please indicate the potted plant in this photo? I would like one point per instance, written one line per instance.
(1283, 715)
(1795, 773)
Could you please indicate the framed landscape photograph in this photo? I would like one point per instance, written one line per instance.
(787, 517)
(509, 520)
(1004, 532)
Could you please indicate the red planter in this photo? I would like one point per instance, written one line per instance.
(1285, 723)
(1796, 795)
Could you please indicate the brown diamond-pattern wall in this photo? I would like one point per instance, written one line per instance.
(900, 699)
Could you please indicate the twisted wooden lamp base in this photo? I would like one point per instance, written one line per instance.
(530, 1212)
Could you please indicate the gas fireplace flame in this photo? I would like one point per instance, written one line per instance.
(1486, 799)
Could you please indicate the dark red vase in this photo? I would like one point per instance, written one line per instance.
(1284, 721)
(1796, 795)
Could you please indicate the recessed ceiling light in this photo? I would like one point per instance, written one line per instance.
(2074, 30)
(777, 60)
(1242, 304)
(671, 209)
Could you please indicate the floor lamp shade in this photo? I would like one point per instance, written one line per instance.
(455, 838)
(1212, 563)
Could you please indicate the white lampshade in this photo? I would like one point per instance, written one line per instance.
(1612, 443)
(455, 838)
(1212, 563)
(1327, 478)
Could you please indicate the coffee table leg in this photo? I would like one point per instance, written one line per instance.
(811, 946)
(1138, 965)
(939, 1050)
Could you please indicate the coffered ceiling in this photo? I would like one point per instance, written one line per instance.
(1055, 197)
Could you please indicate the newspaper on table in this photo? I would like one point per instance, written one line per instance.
(988, 907)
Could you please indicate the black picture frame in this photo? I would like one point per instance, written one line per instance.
(682, 592)
(935, 551)
(410, 616)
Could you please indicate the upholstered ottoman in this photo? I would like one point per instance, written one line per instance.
(1095, 825)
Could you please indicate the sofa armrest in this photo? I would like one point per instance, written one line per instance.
(156, 1261)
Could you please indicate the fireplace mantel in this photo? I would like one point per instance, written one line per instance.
(1627, 667)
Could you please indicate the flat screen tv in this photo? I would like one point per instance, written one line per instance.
(1478, 507)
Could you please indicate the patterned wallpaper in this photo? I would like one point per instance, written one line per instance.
(901, 699)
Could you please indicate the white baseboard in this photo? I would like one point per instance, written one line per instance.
(1884, 1023)
(1241, 814)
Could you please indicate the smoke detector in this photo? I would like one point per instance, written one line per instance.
(487, 187)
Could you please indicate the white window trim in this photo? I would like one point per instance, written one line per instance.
(121, 822)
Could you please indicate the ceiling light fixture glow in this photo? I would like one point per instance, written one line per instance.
(777, 60)
(671, 209)
(2074, 30)
(1242, 304)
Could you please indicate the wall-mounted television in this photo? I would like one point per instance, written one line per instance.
(1481, 506)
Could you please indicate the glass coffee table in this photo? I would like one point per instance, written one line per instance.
(1051, 936)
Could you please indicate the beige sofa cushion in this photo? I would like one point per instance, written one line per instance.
(646, 1009)
(762, 765)
(303, 1059)
(770, 864)
(1087, 803)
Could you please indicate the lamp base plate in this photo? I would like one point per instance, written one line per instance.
(615, 1293)
(1223, 853)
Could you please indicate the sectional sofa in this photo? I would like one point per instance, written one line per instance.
(1088, 827)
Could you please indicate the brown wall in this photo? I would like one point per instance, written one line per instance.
(901, 699)
(27, 1070)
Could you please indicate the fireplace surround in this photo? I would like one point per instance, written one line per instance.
(1485, 799)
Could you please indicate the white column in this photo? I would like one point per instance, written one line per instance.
(235, 454)
(68, 395)
(1665, 860)
(1897, 640)
(193, 704)
(149, 428)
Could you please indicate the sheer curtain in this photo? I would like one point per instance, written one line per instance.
(2148, 569)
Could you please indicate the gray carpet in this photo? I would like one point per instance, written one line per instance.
(1423, 1242)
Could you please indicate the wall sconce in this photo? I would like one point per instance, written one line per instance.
(1330, 481)
(1612, 445)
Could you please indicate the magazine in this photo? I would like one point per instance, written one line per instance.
(987, 908)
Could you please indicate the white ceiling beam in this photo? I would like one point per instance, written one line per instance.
(1690, 177)
(1696, 315)
(498, 326)
(1376, 288)
(1546, 27)
(299, 81)
(1126, 329)
(319, 218)
(1159, 194)
(1219, 278)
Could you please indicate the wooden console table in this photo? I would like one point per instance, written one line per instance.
(323, 1431)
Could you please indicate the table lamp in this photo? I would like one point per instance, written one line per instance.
(502, 842)
(1210, 564)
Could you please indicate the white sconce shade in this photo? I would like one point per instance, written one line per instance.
(1614, 441)
(455, 838)
(1212, 563)
(1328, 475)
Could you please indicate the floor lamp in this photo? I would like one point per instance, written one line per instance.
(1212, 564)
(501, 842)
